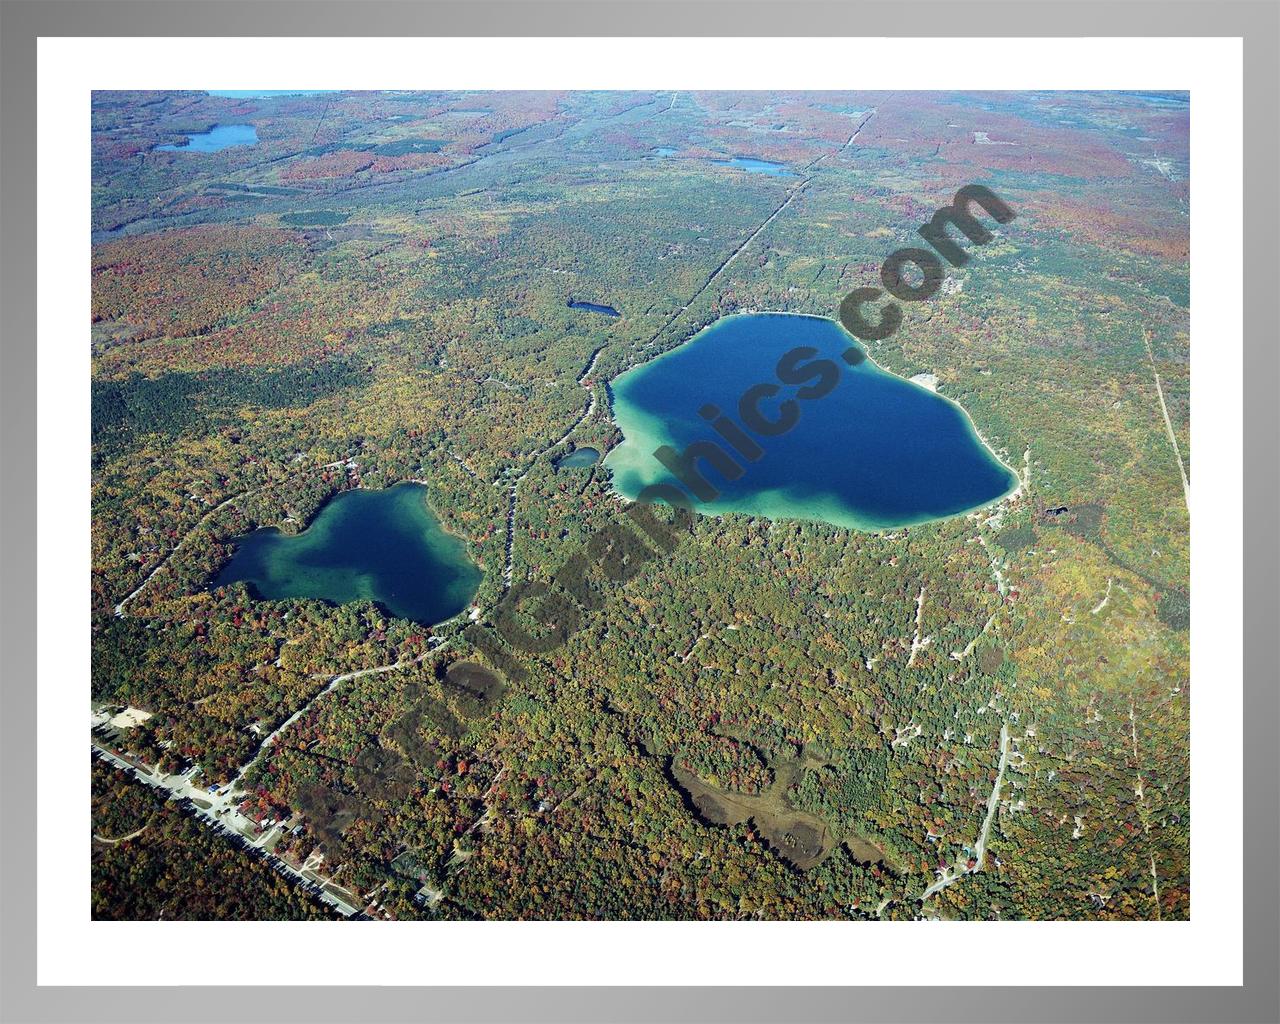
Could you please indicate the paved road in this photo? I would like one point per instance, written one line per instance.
(221, 811)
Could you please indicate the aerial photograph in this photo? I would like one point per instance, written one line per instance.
(640, 505)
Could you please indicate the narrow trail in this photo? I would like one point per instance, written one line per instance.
(857, 131)
(123, 839)
(980, 847)
(968, 648)
(119, 609)
(918, 645)
(993, 801)
(1144, 810)
(333, 684)
(1106, 598)
(1168, 425)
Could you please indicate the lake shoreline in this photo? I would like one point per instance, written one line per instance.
(391, 547)
(839, 519)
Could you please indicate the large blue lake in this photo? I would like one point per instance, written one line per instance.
(384, 546)
(872, 452)
(221, 136)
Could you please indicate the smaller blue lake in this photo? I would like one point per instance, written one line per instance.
(593, 307)
(385, 546)
(745, 163)
(221, 136)
(664, 151)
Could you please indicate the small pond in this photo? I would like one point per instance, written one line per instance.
(750, 164)
(220, 136)
(577, 458)
(593, 307)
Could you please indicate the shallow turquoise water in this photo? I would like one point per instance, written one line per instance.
(221, 136)
(874, 452)
(384, 546)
